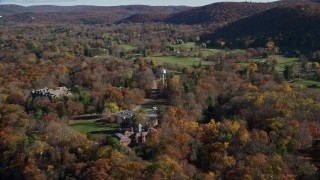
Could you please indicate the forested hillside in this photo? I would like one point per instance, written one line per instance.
(291, 26)
(220, 92)
(218, 13)
(145, 18)
(79, 14)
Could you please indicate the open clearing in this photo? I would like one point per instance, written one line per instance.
(282, 61)
(207, 52)
(94, 125)
(128, 47)
(306, 83)
(188, 45)
(182, 61)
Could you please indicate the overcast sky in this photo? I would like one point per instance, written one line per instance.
(116, 2)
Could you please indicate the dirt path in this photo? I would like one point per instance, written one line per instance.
(149, 103)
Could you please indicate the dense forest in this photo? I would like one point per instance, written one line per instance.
(234, 97)
(79, 14)
(288, 26)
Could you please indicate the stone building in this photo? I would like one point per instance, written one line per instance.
(51, 93)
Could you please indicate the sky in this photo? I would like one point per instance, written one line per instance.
(117, 2)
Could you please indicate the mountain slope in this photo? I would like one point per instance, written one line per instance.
(80, 14)
(293, 26)
(129, 9)
(218, 13)
(11, 9)
(145, 18)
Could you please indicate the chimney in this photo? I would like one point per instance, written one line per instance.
(131, 129)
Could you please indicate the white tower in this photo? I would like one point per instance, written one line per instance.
(163, 73)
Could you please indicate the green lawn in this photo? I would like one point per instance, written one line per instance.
(306, 83)
(244, 64)
(188, 45)
(128, 47)
(207, 52)
(237, 50)
(104, 56)
(182, 61)
(94, 126)
(282, 61)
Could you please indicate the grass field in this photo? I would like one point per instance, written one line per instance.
(103, 56)
(306, 83)
(188, 45)
(128, 47)
(182, 61)
(282, 61)
(94, 126)
(207, 52)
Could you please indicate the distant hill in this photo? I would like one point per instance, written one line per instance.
(290, 26)
(11, 9)
(145, 18)
(298, 1)
(218, 13)
(129, 9)
(84, 14)
(213, 13)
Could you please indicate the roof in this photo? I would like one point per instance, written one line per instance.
(163, 71)
(61, 91)
(139, 134)
(152, 113)
(124, 114)
(121, 136)
(128, 133)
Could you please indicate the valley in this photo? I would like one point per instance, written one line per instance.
(228, 90)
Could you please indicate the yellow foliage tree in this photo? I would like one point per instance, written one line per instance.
(252, 87)
(252, 67)
(259, 100)
(285, 88)
(113, 107)
(221, 43)
(269, 45)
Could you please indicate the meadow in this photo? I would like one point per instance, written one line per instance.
(181, 61)
(94, 125)
(282, 61)
(306, 83)
(128, 47)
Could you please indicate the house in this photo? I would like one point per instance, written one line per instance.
(51, 93)
(130, 137)
(129, 133)
(123, 140)
(179, 41)
(140, 137)
(123, 116)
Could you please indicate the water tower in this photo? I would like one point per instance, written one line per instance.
(163, 74)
